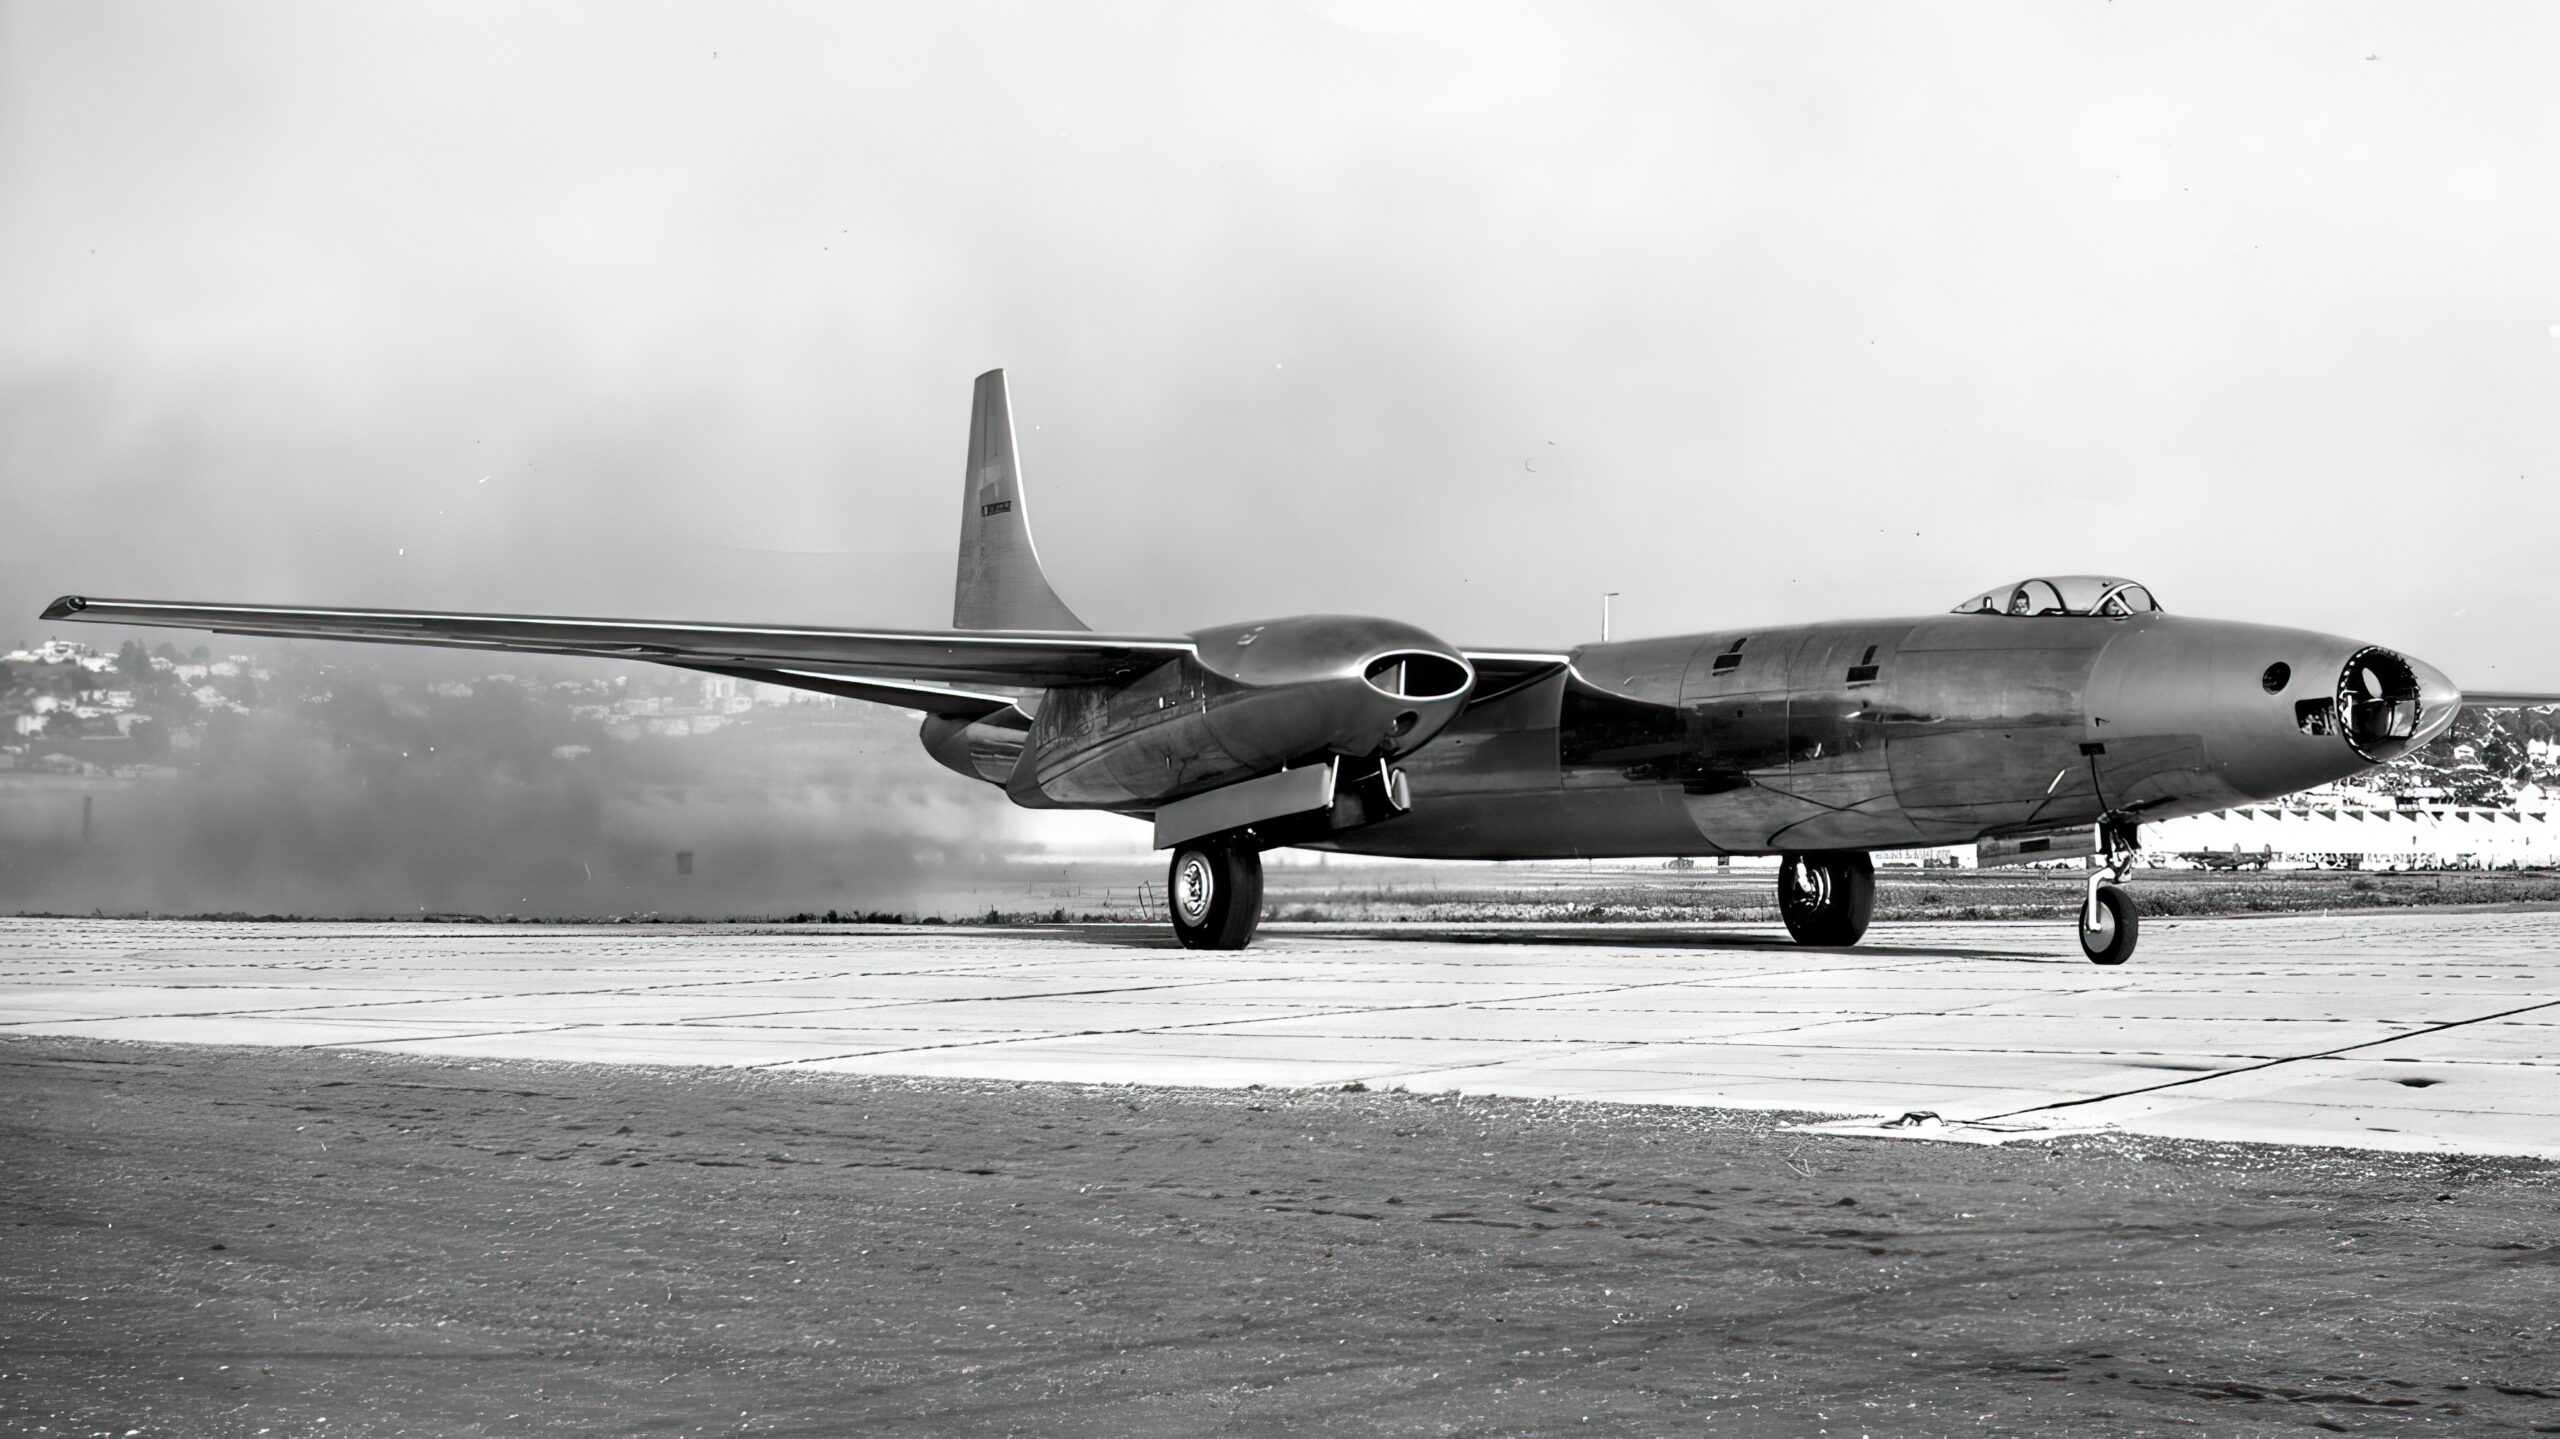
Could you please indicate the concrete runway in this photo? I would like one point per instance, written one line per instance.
(2383, 1030)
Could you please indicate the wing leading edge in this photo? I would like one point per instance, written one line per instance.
(1502, 672)
(845, 662)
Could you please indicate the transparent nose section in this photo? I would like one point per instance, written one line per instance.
(2389, 704)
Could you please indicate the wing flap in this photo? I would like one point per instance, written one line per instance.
(932, 699)
(1029, 660)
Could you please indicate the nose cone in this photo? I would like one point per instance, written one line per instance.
(2202, 713)
(2439, 702)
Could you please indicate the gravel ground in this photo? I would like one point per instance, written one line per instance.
(212, 1241)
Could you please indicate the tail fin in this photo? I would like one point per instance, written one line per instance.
(1000, 586)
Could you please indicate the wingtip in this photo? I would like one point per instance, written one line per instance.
(64, 608)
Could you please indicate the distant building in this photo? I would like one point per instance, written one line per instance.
(2413, 836)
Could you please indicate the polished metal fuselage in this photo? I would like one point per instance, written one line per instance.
(1862, 734)
(1872, 734)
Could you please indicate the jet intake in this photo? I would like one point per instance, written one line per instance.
(2381, 705)
(1250, 700)
(1418, 675)
(1330, 684)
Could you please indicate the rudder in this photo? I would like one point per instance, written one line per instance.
(1000, 584)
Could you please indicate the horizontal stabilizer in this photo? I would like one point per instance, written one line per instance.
(1021, 660)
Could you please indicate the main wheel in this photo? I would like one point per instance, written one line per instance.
(2110, 940)
(1827, 898)
(1215, 894)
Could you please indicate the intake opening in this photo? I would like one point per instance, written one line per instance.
(2378, 703)
(1418, 675)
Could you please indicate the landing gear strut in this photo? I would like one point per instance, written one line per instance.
(1826, 897)
(2109, 924)
(1215, 893)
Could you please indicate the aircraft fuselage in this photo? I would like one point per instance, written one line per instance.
(1850, 735)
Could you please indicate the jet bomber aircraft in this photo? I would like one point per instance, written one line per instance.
(2042, 720)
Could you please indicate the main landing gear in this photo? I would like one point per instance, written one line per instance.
(1215, 892)
(1827, 897)
(2109, 924)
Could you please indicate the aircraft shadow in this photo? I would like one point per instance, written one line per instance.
(1662, 939)
(1150, 936)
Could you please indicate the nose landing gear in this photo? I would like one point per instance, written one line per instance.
(2109, 924)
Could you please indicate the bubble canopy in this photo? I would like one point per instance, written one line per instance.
(2112, 596)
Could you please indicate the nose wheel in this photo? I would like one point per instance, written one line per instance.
(1214, 892)
(2109, 924)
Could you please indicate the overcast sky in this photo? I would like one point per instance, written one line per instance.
(1457, 314)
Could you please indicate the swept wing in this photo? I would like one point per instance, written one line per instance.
(903, 667)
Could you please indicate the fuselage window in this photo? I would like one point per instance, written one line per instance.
(1864, 671)
(1731, 659)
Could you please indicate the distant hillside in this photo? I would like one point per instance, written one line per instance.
(2488, 758)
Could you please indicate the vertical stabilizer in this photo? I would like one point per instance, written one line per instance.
(1000, 586)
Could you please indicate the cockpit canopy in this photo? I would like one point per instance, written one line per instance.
(2112, 596)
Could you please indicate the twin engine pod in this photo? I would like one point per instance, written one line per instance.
(1334, 684)
(1249, 700)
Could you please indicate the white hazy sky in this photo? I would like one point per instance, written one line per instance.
(1458, 314)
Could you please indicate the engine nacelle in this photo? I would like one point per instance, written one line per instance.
(1255, 697)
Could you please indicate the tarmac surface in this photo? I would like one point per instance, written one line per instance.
(2414, 1031)
(264, 1242)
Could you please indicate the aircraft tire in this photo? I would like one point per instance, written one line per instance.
(1214, 894)
(2119, 926)
(1827, 898)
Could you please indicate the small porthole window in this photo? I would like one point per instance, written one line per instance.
(2278, 675)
